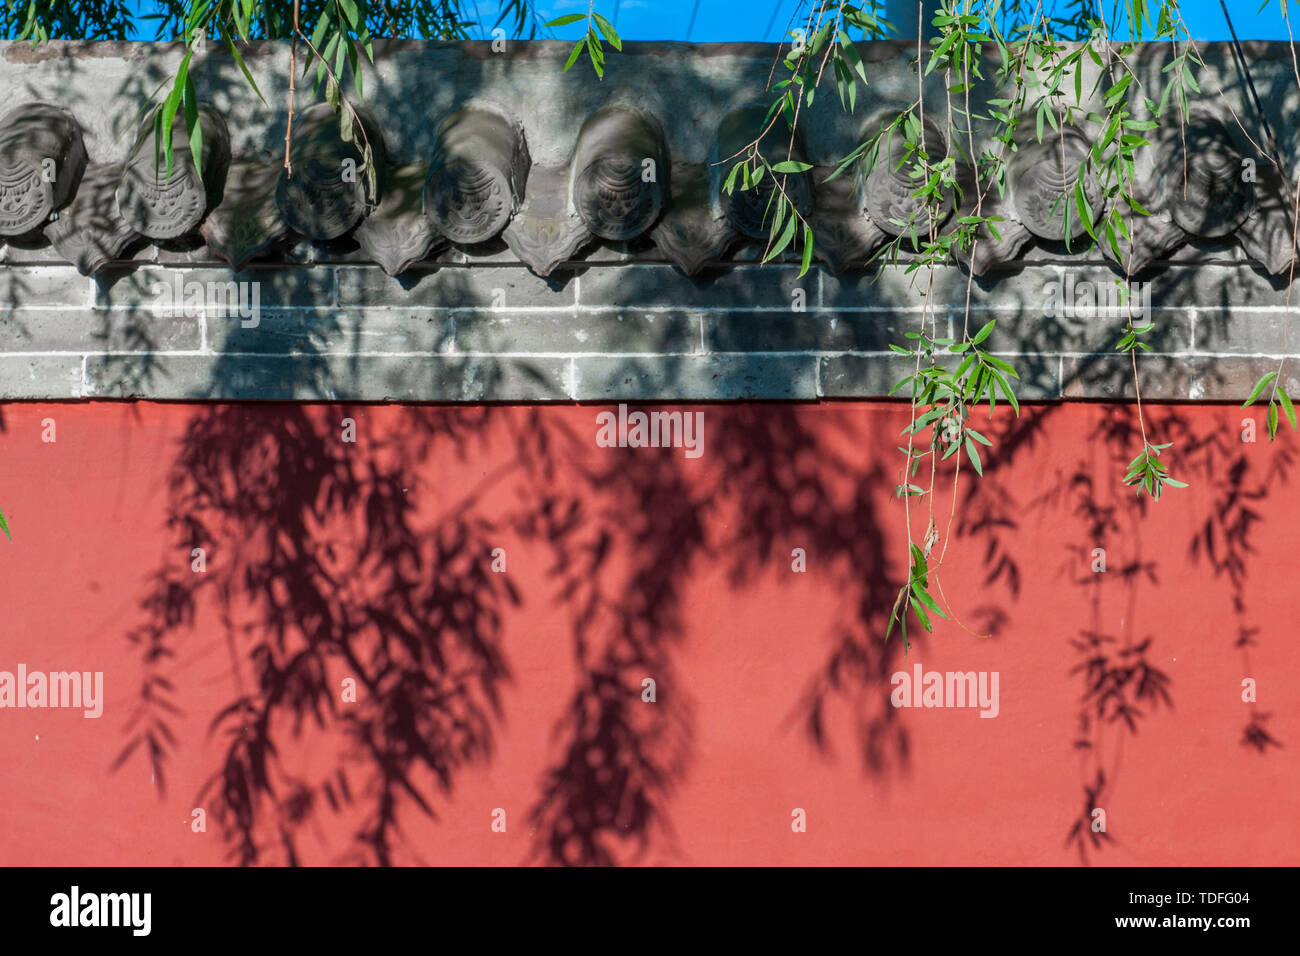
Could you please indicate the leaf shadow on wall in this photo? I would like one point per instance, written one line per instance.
(320, 561)
(325, 560)
(319, 558)
(1121, 684)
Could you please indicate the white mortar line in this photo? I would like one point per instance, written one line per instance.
(569, 353)
(885, 308)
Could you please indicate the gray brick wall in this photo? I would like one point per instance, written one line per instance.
(627, 331)
(474, 324)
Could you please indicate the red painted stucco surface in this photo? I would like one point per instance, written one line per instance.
(331, 560)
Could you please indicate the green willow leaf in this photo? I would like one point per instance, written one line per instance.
(239, 61)
(577, 52)
(1287, 407)
(607, 29)
(807, 250)
(921, 616)
(786, 235)
(190, 103)
(924, 597)
(973, 453)
(169, 109)
(1258, 390)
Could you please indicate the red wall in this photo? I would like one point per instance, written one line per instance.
(328, 559)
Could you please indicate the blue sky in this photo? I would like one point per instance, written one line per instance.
(717, 20)
(711, 21)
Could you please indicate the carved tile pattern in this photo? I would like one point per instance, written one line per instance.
(165, 208)
(398, 233)
(546, 232)
(89, 233)
(42, 160)
(247, 222)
